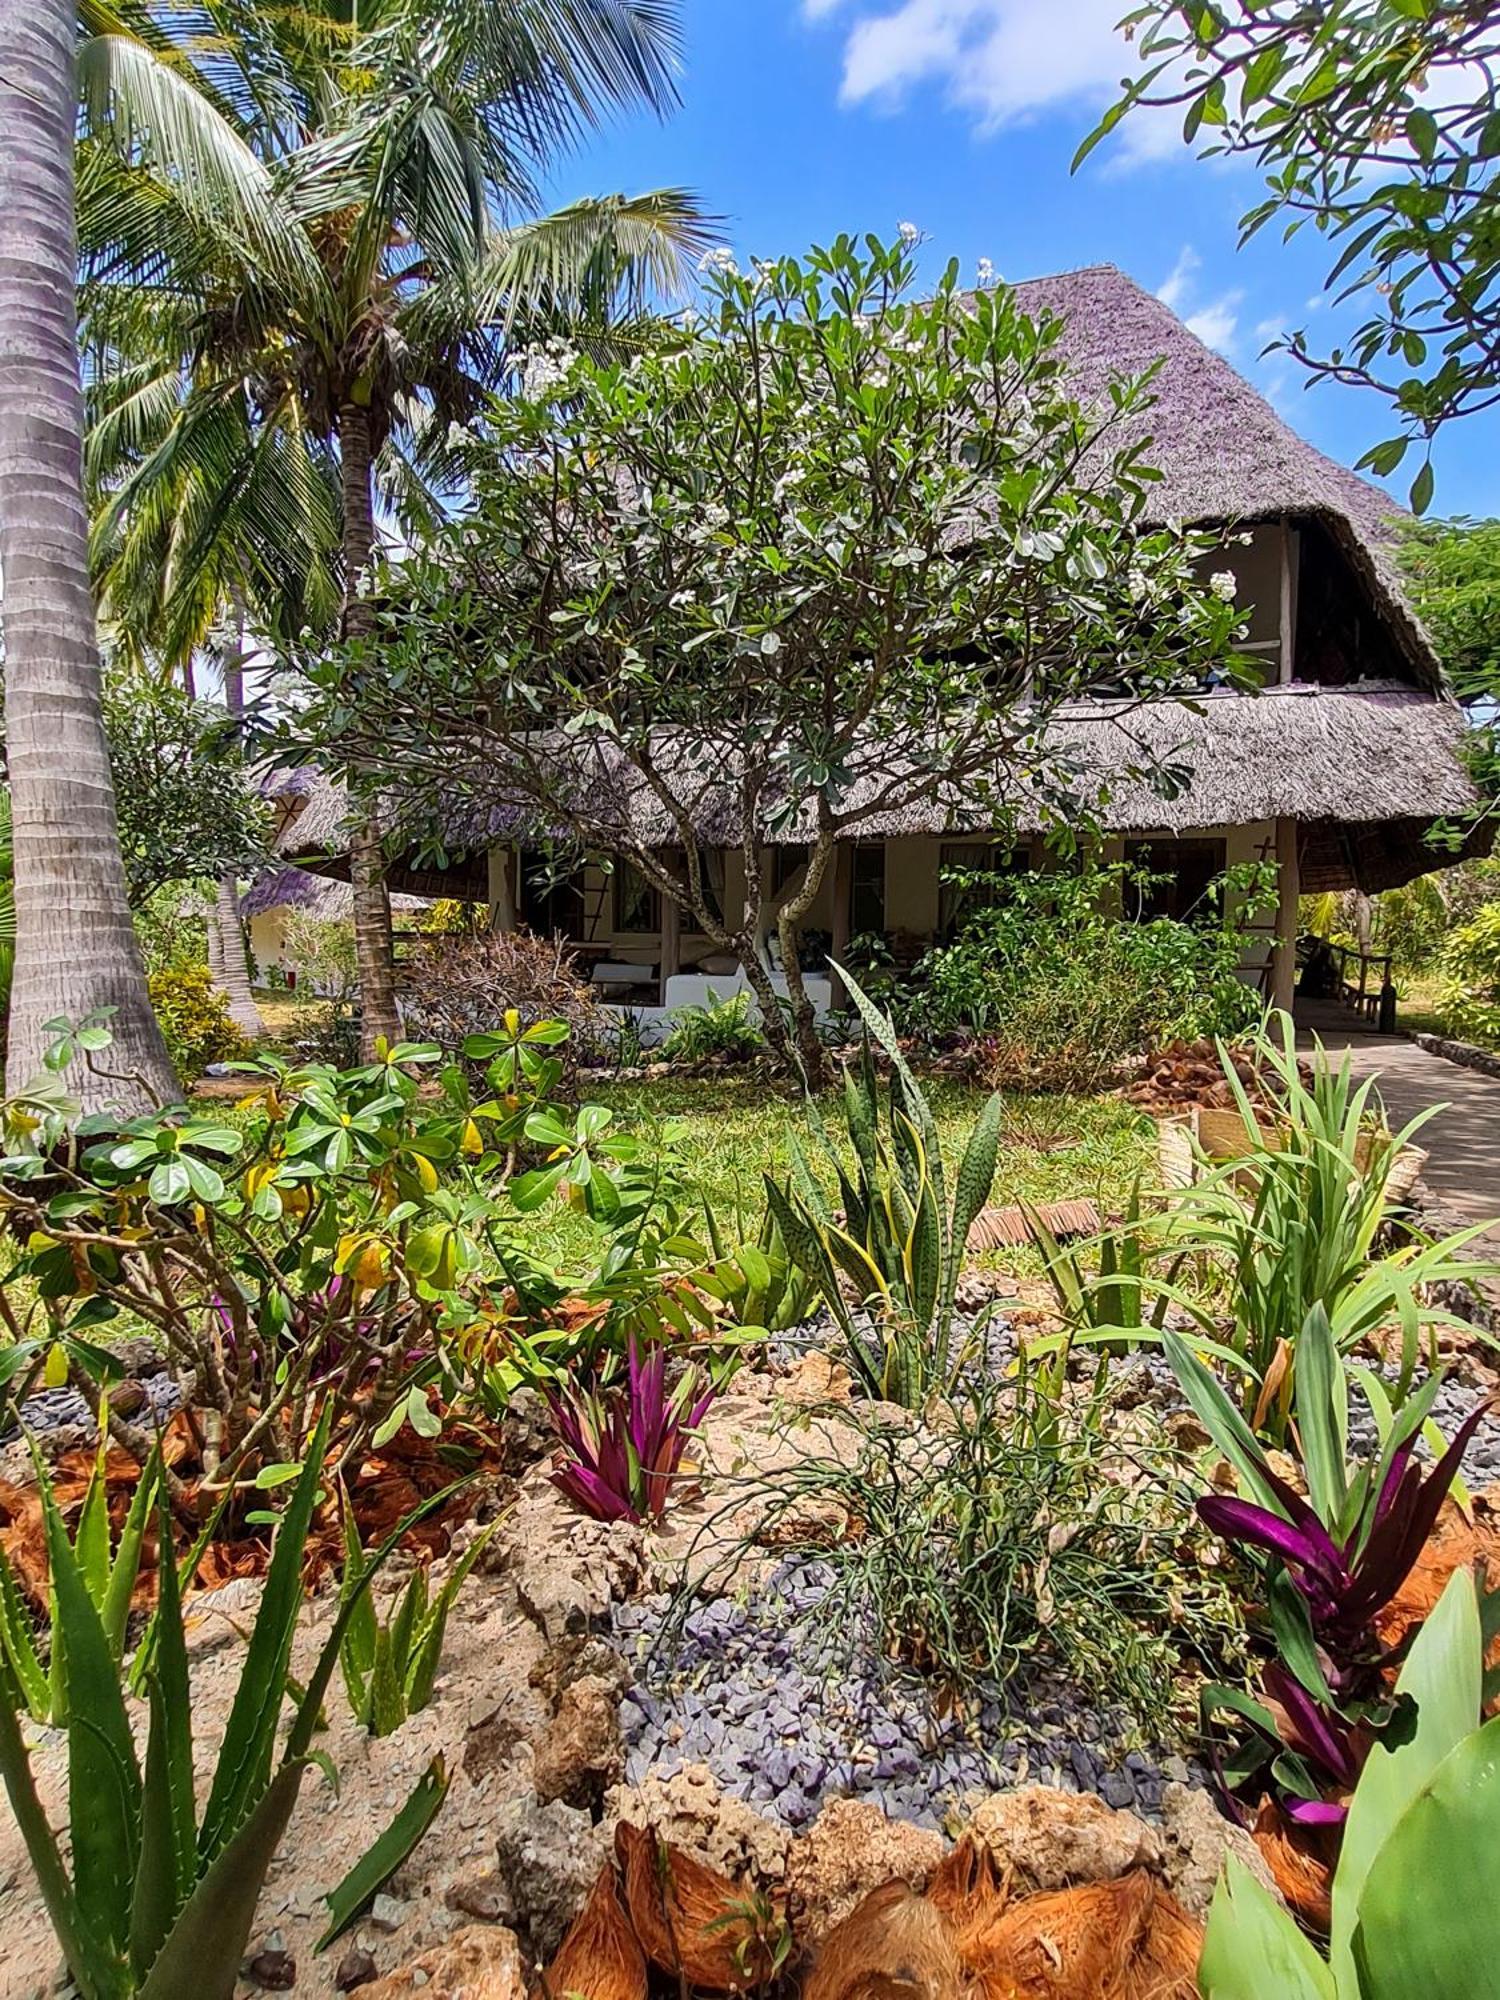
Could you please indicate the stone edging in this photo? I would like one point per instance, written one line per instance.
(1465, 1054)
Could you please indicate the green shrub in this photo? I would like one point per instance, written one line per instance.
(1413, 1893)
(1469, 999)
(997, 1539)
(1065, 989)
(717, 1028)
(196, 1021)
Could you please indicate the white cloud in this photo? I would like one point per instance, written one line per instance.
(1175, 286)
(1004, 60)
(1216, 321)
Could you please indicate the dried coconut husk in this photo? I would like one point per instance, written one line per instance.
(895, 1945)
(1123, 1940)
(1457, 1542)
(694, 1924)
(1300, 1865)
(969, 1890)
(599, 1959)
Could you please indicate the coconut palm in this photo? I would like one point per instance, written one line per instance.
(76, 948)
(307, 219)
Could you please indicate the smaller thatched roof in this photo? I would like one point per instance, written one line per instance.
(320, 895)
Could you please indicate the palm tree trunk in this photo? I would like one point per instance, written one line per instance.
(374, 951)
(232, 972)
(76, 948)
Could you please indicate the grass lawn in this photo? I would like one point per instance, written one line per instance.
(732, 1129)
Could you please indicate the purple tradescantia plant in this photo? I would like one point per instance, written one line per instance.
(625, 1441)
(1334, 1558)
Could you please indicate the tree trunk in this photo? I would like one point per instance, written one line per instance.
(76, 948)
(374, 950)
(231, 973)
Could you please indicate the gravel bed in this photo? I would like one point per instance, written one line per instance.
(748, 1689)
(64, 1409)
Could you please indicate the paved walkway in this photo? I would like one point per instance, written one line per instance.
(1463, 1140)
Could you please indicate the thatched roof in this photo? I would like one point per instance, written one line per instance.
(1223, 452)
(320, 895)
(1375, 755)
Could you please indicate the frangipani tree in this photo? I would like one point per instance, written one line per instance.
(827, 552)
(304, 249)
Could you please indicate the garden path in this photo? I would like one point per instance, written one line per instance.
(1463, 1140)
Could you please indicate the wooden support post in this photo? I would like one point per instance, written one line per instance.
(501, 885)
(1286, 664)
(843, 884)
(671, 940)
(1288, 889)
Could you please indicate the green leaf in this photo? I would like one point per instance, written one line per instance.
(379, 1863)
(104, 1780)
(1427, 1910)
(169, 1843)
(17, 1638)
(99, 1972)
(1422, 487)
(1253, 1949)
(1322, 1416)
(249, 1739)
(1443, 1675)
(125, 1568)
(169, 1183)
(202, 1955)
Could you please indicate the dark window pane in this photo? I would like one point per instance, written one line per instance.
(1184, 871)
(637, 904)
(867, 889)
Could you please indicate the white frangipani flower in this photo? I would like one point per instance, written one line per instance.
(909, 233)
(1225, 584)
(719, 259)
(984, 271)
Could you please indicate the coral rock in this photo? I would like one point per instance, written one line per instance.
(1197, 1839)
(568, 1569)
(851, 1849)
(580, 1752)
(892, 1946)
(689, 1811)
(1048, 1839)
(482, 1962)
(547, 1857)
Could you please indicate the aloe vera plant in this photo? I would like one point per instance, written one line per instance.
(160, 1898)
(108, 1569)
(899, 1246)
(1413, 1897)
(389, 1664)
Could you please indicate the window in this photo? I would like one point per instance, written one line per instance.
(785, 863)
(551, 895)
(867, 889)
(1184, 871)
(956, 900)
(637, 901)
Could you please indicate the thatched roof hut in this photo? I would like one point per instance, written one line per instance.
(1354, 738)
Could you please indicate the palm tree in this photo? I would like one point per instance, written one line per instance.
(76, 948)
(306, 219)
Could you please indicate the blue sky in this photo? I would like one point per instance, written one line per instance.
(801, 118)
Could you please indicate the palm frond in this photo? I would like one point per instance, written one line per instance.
(595, 259)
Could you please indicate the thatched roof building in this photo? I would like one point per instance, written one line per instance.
(1337, 767)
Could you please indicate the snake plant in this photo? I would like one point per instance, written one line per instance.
(893, 1238)
(160, 1899)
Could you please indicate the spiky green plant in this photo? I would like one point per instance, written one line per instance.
(390, 1663)
(899, 1247)
(108, 1570)
(160, 1899)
